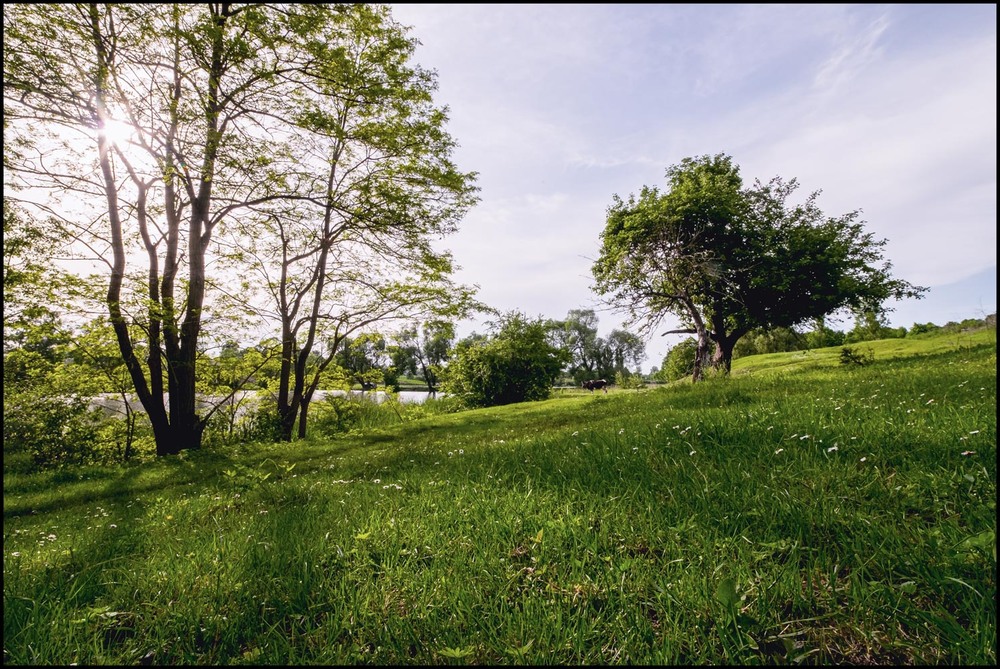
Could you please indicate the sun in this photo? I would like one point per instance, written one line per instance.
(119, 133)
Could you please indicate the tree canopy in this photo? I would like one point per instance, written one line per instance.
(726, 258)
(297, 141)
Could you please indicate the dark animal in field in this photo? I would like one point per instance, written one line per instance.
(596, 384)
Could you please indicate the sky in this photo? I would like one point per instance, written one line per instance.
(887, 109)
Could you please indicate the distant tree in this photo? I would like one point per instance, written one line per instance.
(363, 358)
(518, 363)
(424, 353)
(620, 351)
(591, 356)
(870, 325)
(922, 328)
(727, 259)
(775, 340)
(577, 335)
(822, 336)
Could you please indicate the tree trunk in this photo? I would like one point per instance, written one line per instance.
(724, 346)
(702, 357)
(303, 412)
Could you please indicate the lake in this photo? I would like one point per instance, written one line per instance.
(113, 405)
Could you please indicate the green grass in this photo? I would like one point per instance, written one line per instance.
(798, 512)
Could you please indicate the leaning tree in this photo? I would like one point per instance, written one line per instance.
(726, 259)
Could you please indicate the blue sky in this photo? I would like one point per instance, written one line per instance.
(890, 109)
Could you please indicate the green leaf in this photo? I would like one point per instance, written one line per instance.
(984, 540)
(725, 592)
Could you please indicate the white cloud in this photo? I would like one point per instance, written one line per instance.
(890, 109)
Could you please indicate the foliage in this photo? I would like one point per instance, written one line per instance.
(679, 360)
(775, 340)
(42, 428)
(592, 357)
(726, 258)
(850, 355)
(297, 141)
(424, 353)
(871, 325)
(627, 380)
(516, 364)
(363, 359)
(922, 328)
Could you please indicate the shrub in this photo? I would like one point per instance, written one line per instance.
(53, 431)
(679, 361)
(517, 364)
(853, 356)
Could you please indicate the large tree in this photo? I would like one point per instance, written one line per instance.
(154, 127)
(725, 258)
(372, 161)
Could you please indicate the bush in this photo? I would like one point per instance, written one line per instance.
(337, 414)
(517, 364)
(52, 431)
(679, 361)
(852, 356)
(628, 381)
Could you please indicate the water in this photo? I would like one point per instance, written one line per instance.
(111, 404)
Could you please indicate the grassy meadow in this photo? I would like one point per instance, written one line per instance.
(799, 512)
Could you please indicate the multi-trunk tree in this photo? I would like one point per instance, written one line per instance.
(373, 163)
(727, 259)
(424, 351)
(154, 133)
